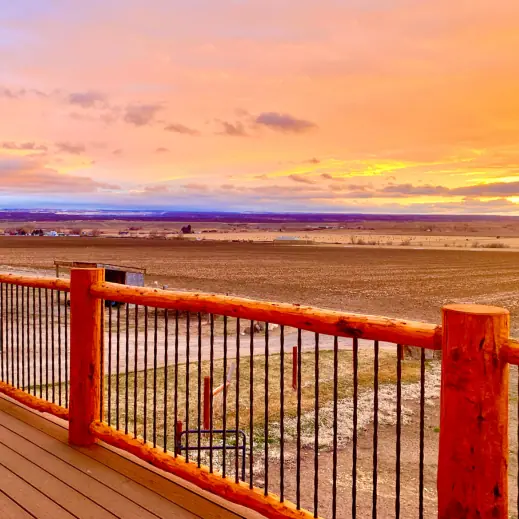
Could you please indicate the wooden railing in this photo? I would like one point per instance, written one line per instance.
(476, 352)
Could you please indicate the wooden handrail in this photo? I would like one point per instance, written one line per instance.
(36, 282)
(39, 404)
(329, 322)
(510, 351)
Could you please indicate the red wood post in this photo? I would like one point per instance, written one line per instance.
(207, 402)
(294, 368)
(178, 431)
(85, 355)
(473, 457)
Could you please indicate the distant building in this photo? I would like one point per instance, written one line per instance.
(292, 240)
(133, 276)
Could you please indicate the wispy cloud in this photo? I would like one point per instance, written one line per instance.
(302, 179)
(161, 150)
(233, 129)
(24, 175)
(284, 123)
(141, 114)
(180, 128)
(68, 147)
(26, 146)
(86, 99)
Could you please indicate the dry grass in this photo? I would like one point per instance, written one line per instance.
(162, 384)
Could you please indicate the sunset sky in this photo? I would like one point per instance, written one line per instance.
(261, 105)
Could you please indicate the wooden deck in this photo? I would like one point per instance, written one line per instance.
(41, 476)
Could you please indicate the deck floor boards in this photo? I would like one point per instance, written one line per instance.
(41, 476)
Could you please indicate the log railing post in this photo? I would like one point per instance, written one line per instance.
(473, 457)
(85, 355)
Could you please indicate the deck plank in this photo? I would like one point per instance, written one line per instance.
(53, 487)
(106, 502)
(170, 487)
(11, 510)
(159, 492)
(32, 500)
(122, 496)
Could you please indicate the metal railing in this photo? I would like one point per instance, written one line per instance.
(34, 340)
(281, 408)
(220, 391)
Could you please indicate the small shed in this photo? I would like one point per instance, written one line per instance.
(133, 276)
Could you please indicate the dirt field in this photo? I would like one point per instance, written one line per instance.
(404, 283)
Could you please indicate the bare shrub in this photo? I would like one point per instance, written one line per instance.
(495, 245)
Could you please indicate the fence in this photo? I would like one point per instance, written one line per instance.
(278, 407)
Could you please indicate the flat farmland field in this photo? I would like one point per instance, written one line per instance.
(402, 282)
(405, 283)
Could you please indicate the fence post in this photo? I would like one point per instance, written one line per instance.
(85, 355)
(473, 457)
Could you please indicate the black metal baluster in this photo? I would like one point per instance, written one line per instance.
(335, 423)
(298, 439)
(188, 326)
(2, 345)
(34, 339)
(135, 376)
(166, 368)
(109, 410)
(211, 376)
(155, 353)
(52, 346)
(6, 344)
(175, 394)
(224, 435)
(8, 309)
(5, 339)
(59, 346)
(398, 426)
(66, 352)
(316, 429)
(102, 360)
(17, 338)
(237, 439)
(422, 432)
(266, 425)
(355, 405)
(117, 365)
(126, 367)
(13, 382)
(40, 340)
(375, 431)
(23, 335)
(282, 414)
(28, 336)
(145, 417)
(199, 395)
(251, 409)
(46, 344)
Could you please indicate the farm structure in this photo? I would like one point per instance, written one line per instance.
(133, 276)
